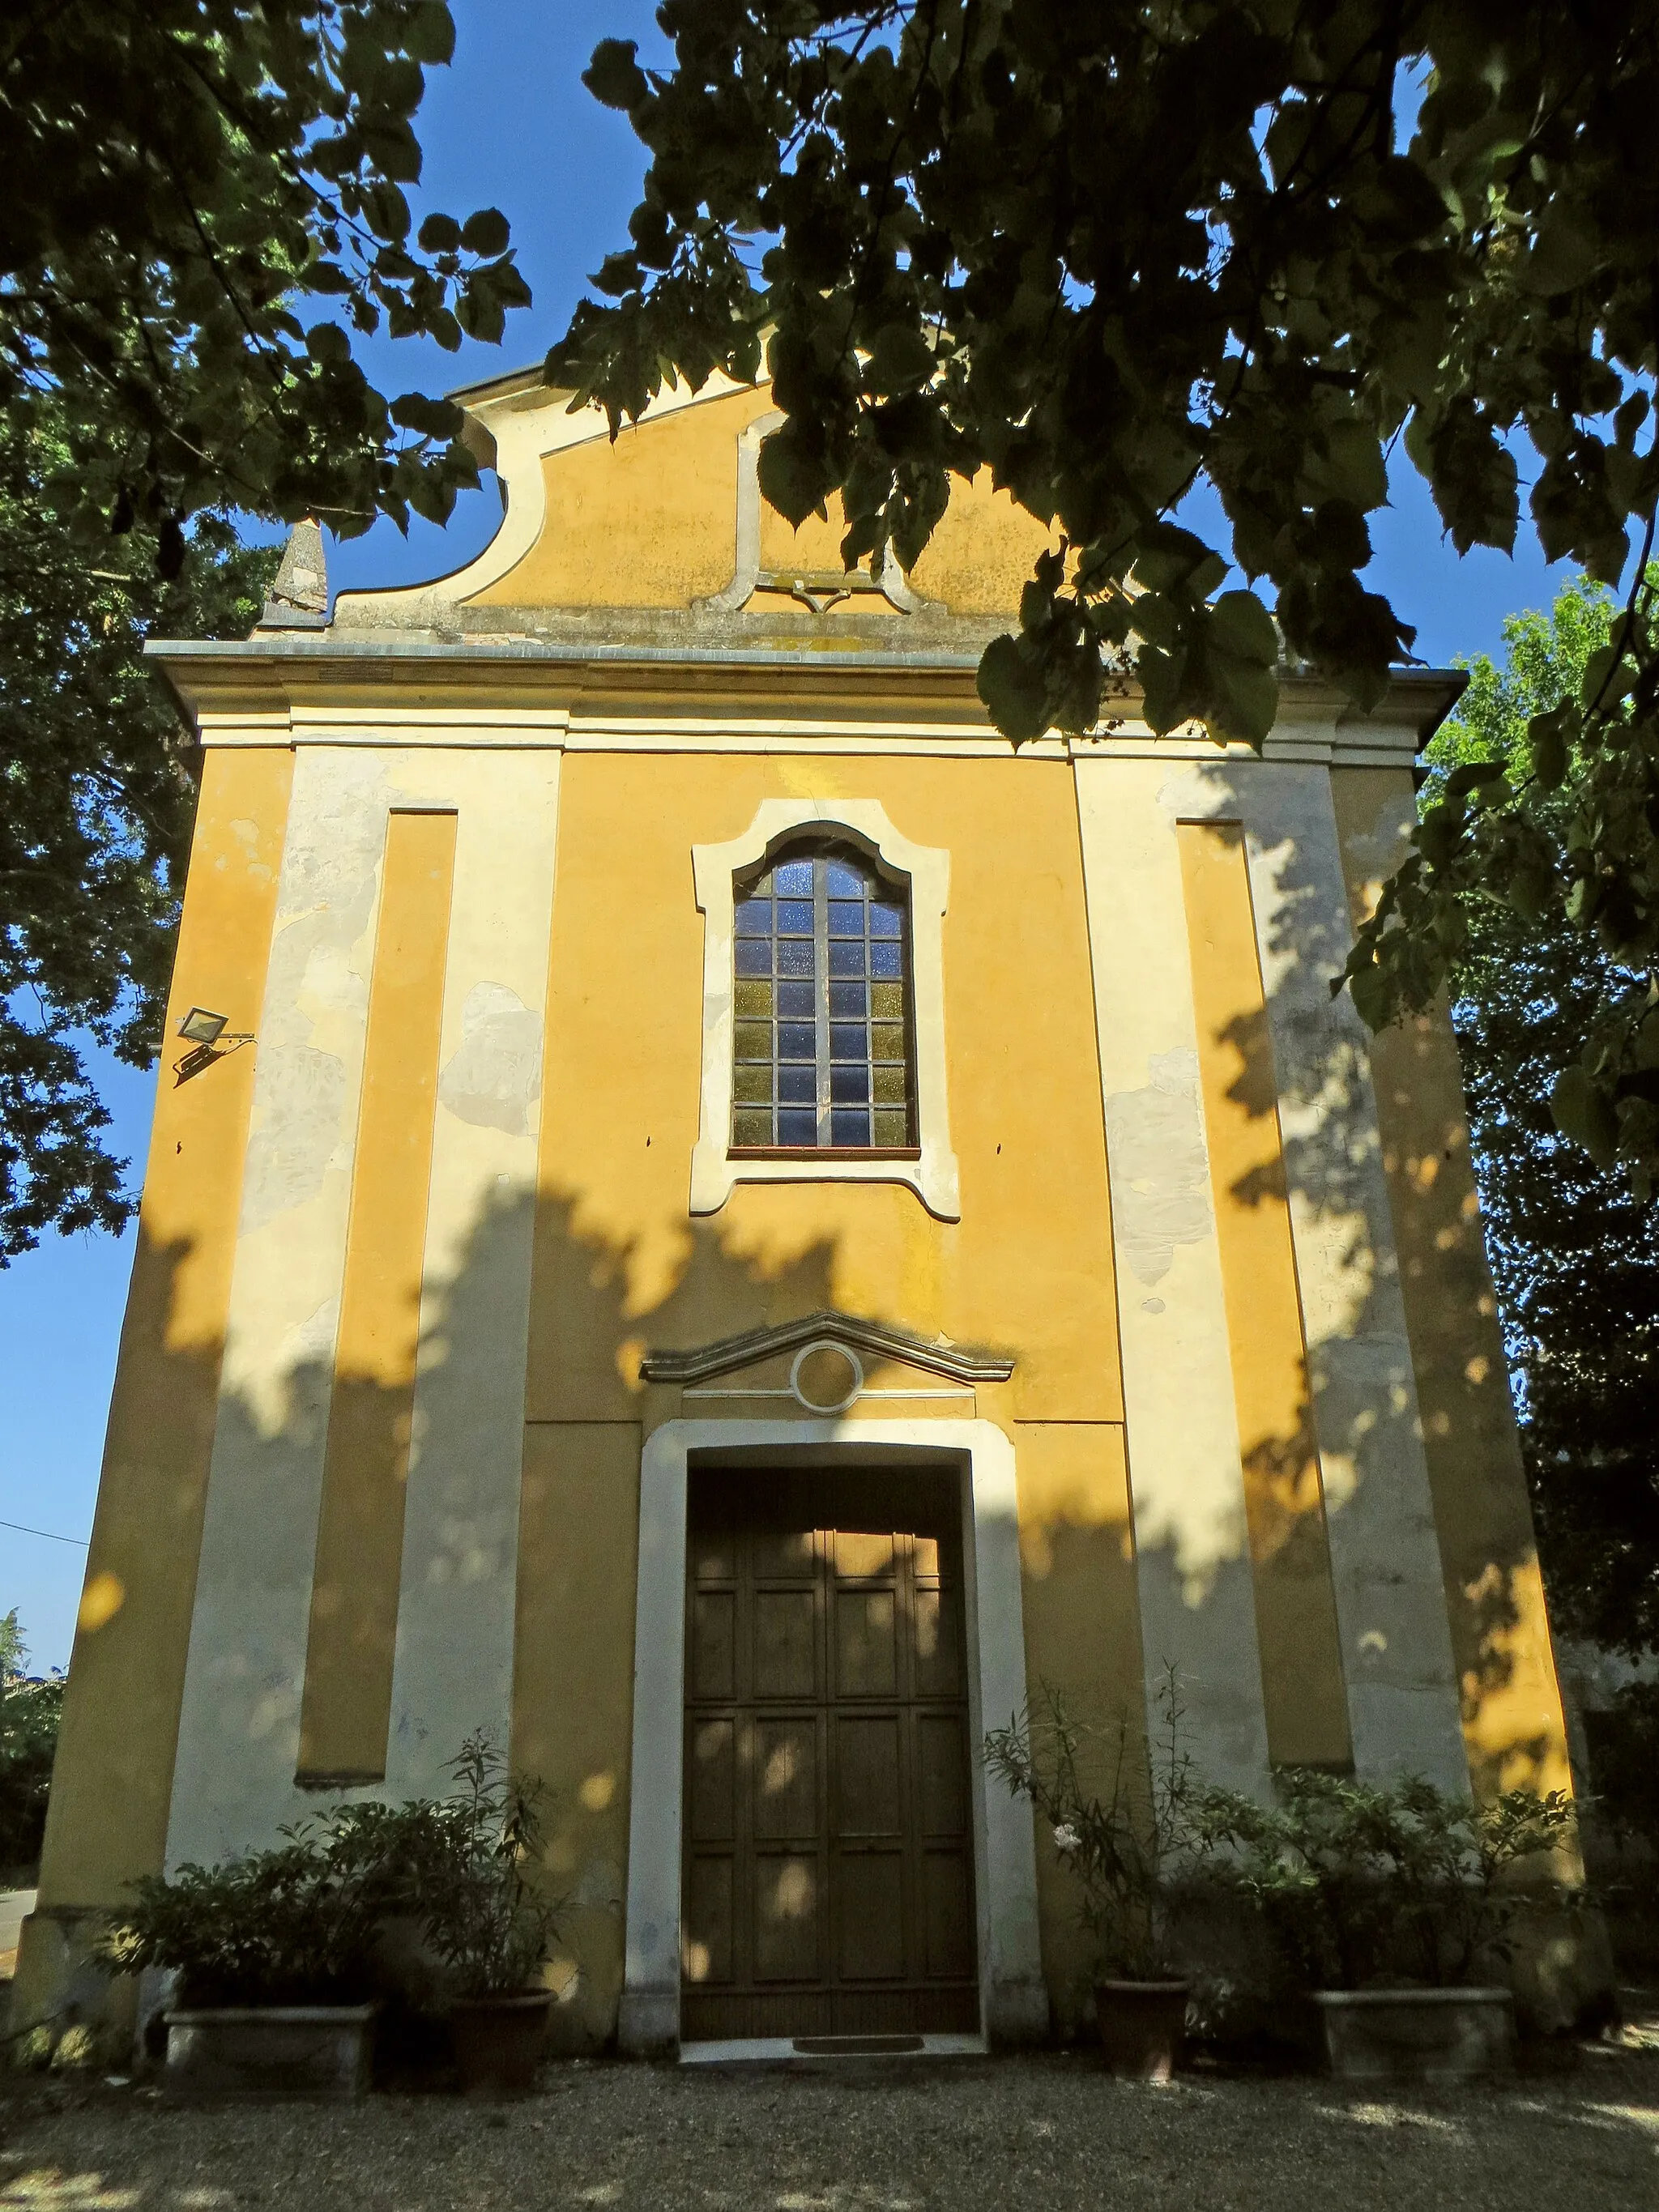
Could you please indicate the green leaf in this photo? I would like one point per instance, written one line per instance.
(1566, 252)
(430, 35)
(1341, 534)
(1354, 469)
(387, 211)
(486, 233)
(1246, 702)
(1169, 556)
(1155, 619)
(1011, 684)
(901, 360)
(327, 342)
(1241, 625)
(793, 477)
(1161, 675)
(614, 75)
(433, 418)
(439, 233)
(1548, 737)
(1581, 1113)
(1373, 995)
(1469, 775)
(328, 278)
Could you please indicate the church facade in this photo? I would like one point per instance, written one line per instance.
(711, 1221)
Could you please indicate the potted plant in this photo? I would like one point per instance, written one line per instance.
(270, 1958)
(1391, 1906)
(1135, 1848)
(470, 1857)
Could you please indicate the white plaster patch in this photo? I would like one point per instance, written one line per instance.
(1160, 1169)
(303, 1106)
(495, 1075)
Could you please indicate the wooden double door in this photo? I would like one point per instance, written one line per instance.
(828, 1879)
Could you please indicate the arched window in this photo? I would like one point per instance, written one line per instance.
(822, 1058)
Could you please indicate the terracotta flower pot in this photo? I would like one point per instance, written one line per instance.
(499, 2042)
(1141, 2027)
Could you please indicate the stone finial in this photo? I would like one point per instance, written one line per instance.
(298, 598)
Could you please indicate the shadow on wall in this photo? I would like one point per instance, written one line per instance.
(490, 1585)
(1367, 1396)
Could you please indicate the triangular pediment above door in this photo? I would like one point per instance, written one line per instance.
(826, 1361)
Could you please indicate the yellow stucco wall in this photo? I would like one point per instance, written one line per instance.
(108, 1815)
(1082, 1639)
(1512, 1718)
(1302, 1682)
(572, 1696)
(651, 521)
(621, 1266)
(354, 1594)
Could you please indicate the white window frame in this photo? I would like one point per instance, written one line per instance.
(925, 871)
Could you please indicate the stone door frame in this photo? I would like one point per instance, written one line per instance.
(1013, 1999)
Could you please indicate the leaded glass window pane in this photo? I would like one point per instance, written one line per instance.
(823, 1055)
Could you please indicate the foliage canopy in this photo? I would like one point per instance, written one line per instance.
(1575, 1257)
(1107, 248)
(96, 809)
(198, 200)
(31, 1708)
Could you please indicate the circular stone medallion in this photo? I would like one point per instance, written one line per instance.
(826, 1377)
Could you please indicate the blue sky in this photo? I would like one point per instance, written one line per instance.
(509, 125)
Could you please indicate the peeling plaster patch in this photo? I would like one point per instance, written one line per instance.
(286, 1395)
(303, 1105)
(1160, 1169)
(1377, 851)
(495, 1076)
(317, 994)
(1197, 792)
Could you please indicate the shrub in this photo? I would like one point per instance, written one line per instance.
(31, 1708)
(297, 1925)
(1363, 1884)
(467, 1859)
(302, 1924)
(1137, 1850)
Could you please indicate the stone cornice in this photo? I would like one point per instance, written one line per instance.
(273, 678)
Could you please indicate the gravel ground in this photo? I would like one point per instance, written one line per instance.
(1052, 2132)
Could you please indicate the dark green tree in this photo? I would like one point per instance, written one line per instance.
(31, 1707)
(1107, 248)
(1575, 1255)
(200, 200)
(95, 809)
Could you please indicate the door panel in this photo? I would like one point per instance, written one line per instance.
(828, 1883)
(785, 1767)
(785, 1639)
(707, 1953)
(947, 1913)
(941, 1776)
(868, 1785)
(871, 1916)
(711, 1782)
(866, 1655)
(713, 1657)
(788, 1912)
